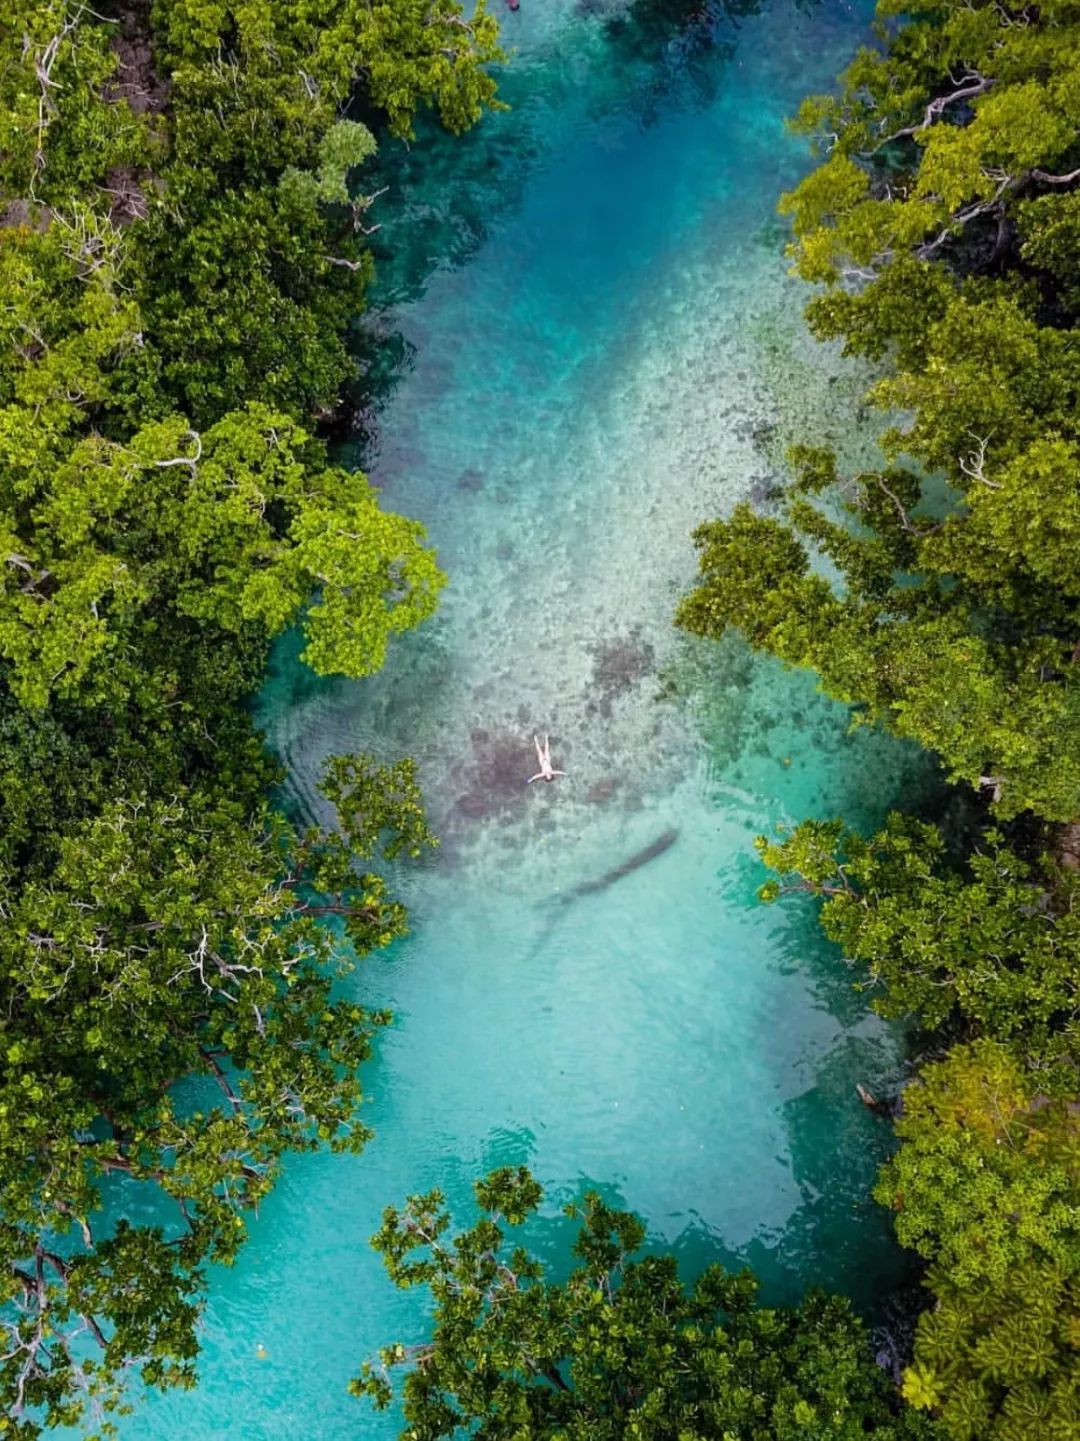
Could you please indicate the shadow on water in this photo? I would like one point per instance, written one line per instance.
(828, 1236)
(839, 1233)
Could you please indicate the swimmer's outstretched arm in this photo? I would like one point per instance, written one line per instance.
(558, 773)
(538, 777)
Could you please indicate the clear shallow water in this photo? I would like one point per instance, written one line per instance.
(611, 353)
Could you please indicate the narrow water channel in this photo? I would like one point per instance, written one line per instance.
(589, 344)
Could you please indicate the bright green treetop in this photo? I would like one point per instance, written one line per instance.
(240, 525)
(986, 1186)
(967, 109)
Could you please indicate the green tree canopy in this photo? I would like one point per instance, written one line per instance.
(183, 248)
(984, 946)
(620, 1347)
(986, 1186)
(942, 225)
(943, 229)
(237, 526)
(170, 940)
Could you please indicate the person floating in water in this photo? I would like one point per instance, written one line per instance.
(543, 755)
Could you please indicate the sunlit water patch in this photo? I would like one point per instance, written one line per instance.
(594, 347)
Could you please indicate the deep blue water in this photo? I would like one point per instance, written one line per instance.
(588, 343)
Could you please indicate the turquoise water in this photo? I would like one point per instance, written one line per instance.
(593, 345)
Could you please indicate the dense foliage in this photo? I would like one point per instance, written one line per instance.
(989, 945)
(943, 226)
(986, 1186)
(182, 250)
(620, 1348)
